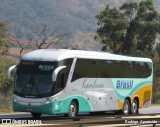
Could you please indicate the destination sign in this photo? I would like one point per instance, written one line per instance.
(28, 63)
(46, 67)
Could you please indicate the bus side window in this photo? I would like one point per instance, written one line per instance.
(63, 74)
(60, 83)
(93, 62)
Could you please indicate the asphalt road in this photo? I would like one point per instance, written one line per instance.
(150, 110)
(50, 120)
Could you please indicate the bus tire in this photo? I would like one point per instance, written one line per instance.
(126, 107)
(36, 115)
(73, 109)
(134, 107)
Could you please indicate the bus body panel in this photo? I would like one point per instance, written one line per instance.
(58, 106)
(90, 100)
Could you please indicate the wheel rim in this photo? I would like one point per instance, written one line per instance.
(134, 107)
(72, 111)
(126, 108)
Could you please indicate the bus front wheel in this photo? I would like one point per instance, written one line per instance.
(73, 109)
(36, 115)
(126, 107)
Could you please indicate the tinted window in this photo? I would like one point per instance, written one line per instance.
(34, 79)
(63, 74)
(86, 68)
(111, 69)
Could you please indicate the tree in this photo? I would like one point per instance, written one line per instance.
(129, 10)
(4, 43)
(6, 88)
(21, 45)
(112, 28)
(46, 38)
(131, 28)
(6, 85)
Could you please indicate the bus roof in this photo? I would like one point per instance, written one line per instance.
(60, 54)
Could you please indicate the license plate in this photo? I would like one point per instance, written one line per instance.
(29, 109)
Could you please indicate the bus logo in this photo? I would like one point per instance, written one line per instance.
(46, 67)
(124, 84)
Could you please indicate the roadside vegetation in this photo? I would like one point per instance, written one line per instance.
(6, 85)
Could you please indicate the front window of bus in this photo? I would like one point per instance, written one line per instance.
(34, 79)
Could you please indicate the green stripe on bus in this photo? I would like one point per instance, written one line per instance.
(56, 107)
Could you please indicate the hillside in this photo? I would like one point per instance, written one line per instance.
(71, 16)
(25, 16)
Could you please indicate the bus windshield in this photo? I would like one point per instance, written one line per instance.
(34, 79)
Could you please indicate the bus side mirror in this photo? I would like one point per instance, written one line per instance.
(10, 70)
(55, 72)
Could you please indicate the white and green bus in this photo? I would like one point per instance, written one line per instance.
(59, 81)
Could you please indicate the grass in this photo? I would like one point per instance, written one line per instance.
(6, 111)
(6, 107)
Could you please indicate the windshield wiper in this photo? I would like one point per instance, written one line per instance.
(39, 94)
(29, 83)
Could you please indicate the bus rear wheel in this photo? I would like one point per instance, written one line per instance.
(36, 115)
(126, 107)
(73, 110)
(134, 107)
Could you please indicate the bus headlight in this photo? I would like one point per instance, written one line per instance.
(47, 102)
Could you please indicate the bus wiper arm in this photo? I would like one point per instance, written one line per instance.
(39, 94)
(29, 82)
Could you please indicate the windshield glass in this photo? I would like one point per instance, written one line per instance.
(34, 79)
